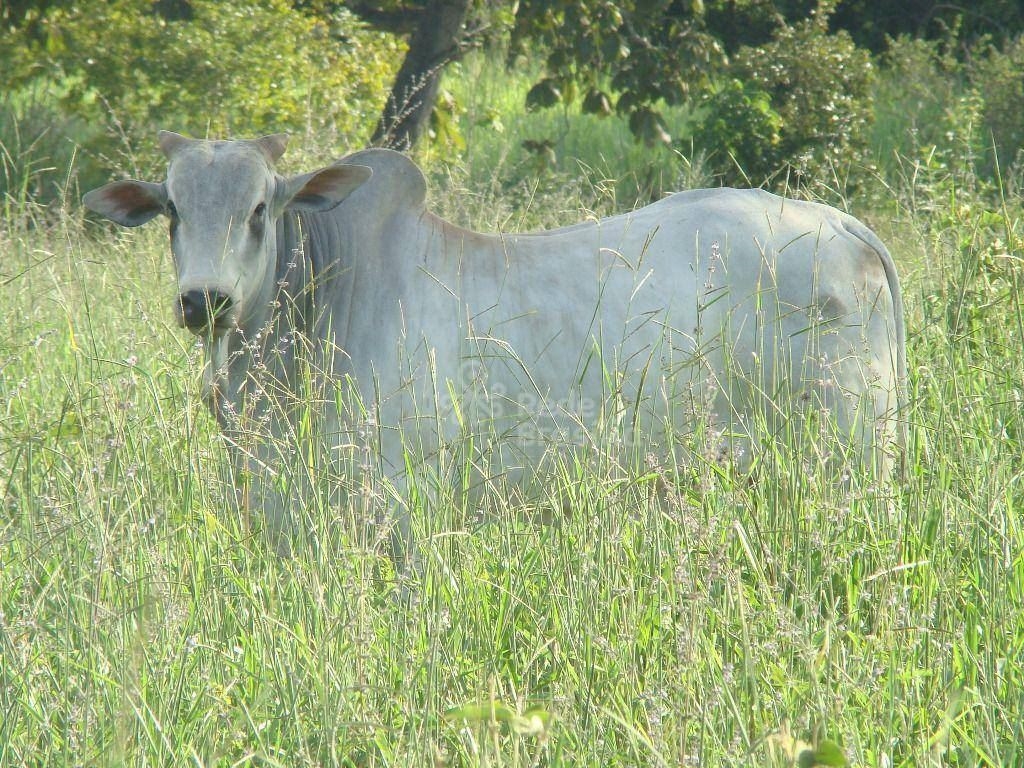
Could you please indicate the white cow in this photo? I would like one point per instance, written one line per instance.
(735, 309)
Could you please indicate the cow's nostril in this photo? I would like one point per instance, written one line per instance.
(194, 309)
(202, 309)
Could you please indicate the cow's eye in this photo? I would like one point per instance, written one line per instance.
(260, 210)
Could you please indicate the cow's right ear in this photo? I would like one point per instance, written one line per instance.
(128, 203)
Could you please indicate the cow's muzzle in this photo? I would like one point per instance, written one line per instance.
(201, 311)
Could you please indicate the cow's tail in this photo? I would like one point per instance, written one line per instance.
(859, 230)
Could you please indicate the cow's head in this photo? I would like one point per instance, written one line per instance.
(223, 200)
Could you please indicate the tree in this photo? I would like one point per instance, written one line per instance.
(634, 56)
(804, 107)
(436, 41)
(437, 36)
(872, 23)
(653, 51)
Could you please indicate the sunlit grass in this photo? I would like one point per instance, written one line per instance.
(687, 616)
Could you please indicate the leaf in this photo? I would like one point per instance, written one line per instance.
(445, 129)
(829, 753)
(68, 428)
(494, 711)
(543, 94)
(569, 92)
(648, 126)
(825, 753)
(532, 722)
(491, 118)
(596, 102)
(543, 151)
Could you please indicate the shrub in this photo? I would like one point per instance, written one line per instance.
(224, 68)
(998, 76)
(739, 131)
(818, 84)
(919, 101)
(37, 146)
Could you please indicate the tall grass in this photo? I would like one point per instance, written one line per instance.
(685, 617)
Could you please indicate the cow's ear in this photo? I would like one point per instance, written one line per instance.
(324, 189)
(128, 203)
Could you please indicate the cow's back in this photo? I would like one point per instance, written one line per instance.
(715, 305)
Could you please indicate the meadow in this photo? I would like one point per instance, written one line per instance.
(725, 622)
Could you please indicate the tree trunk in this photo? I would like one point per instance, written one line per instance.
(433, 44)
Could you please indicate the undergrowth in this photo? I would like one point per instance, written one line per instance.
(686, 616)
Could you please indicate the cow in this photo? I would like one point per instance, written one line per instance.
(738, 312)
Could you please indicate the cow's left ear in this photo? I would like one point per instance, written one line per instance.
(324, 189)
(129, 203)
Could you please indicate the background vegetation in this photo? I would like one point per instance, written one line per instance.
(725, 622)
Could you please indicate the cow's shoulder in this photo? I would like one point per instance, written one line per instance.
(396, 182)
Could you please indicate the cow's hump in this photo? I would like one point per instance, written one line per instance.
(395, 178)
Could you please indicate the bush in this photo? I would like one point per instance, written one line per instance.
(998, 76)
(239, 68)
(739, 131)
(818, 85)
(921, 101)
(38, 145)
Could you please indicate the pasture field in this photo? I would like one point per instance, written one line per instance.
(687, 616)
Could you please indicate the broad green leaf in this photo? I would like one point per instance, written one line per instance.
(68, 428)
(543, 94)
(533, 722)
(482, 713)
(596, 102)
(829, 753)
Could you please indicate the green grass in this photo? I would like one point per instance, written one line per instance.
(141, 623)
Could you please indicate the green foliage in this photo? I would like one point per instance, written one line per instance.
(515, 163)
(38, 146)
(803, 755)
(875, 23)
(739, 131)
(982, 235)
(819, 86)
(798, 101)
(998, 77)
(534, 721)
(653, 52)
(919, 101)
(739, 23)
(935, 110)
(229, 68)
